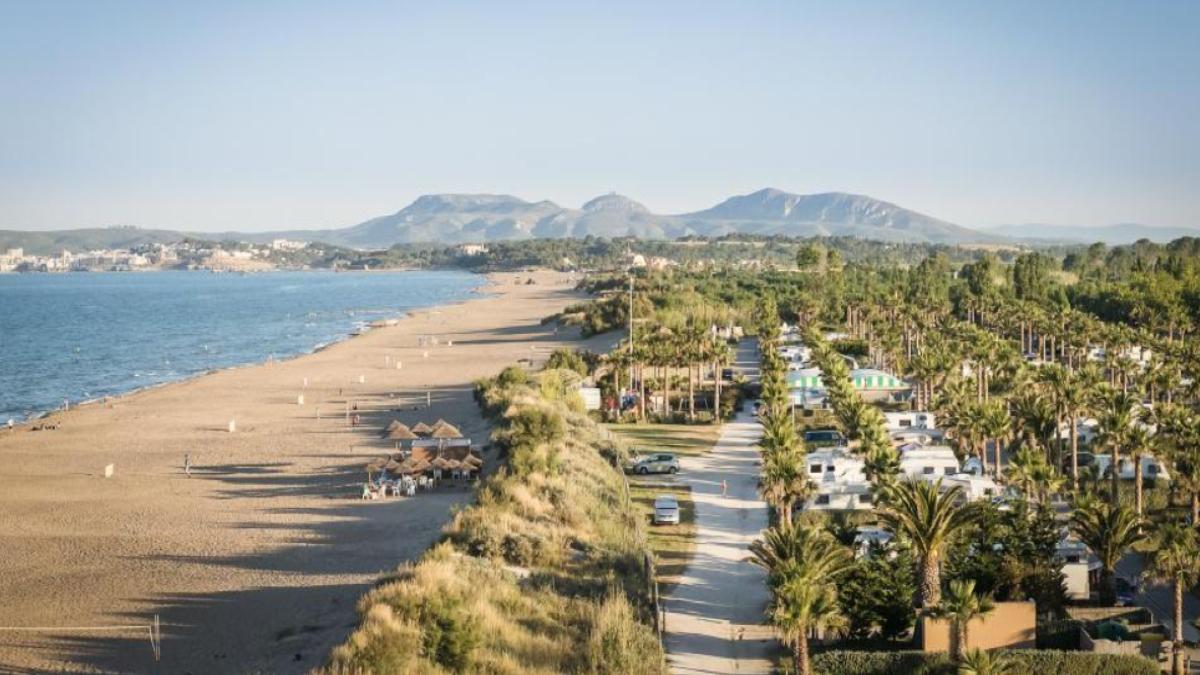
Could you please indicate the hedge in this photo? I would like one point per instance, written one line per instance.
(1031, 661)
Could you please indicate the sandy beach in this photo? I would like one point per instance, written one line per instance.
(255, 562)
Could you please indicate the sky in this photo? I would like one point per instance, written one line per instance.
(280, 115)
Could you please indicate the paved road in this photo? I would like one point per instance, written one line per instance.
(715, 613)
(1160, 598)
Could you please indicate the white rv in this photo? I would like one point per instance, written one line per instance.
(1152, 469)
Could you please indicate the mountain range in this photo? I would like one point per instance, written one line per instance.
(454, 218)
(461, 218)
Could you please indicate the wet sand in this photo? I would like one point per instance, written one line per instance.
(255, 562)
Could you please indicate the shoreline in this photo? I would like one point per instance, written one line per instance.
(475, 293)
(256, 560)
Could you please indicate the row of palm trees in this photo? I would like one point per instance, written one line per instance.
(928, 518)
(657, 356)
(966, 371)
(990, 400)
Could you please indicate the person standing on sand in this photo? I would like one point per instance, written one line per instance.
(724, 488)
(187, 464)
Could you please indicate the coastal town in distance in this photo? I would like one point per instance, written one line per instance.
(625, 339)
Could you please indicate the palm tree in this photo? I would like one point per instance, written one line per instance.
(928, 518)
(960, 606)
(803, 566)
(974, 430)
(1069, 390)
(779, 432)
(1024, 471)
(983, 662)
(784, 482)
(1176, 561)
(1116, 421)
(996, 424)
(1140, 442)
(720, 353)
(1109, 531)
(1036, 420)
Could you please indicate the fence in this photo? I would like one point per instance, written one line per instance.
(153, 631)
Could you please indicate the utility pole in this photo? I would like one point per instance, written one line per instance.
(630, 328)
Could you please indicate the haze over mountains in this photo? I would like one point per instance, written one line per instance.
(461, 218)
(1124, 233)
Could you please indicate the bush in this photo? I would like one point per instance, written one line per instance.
(1029, 661)
(512, 376)
(570, 359)
(451, 634)
(618, 642)
(534, 426)
(876, 663)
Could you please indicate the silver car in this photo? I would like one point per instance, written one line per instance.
(666, 510)
(658, 463)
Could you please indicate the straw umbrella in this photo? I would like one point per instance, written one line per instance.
(375, 465)
(400, 432)
(446, 430)
(422, 429)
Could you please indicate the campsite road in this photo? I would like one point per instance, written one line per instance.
(714, 616)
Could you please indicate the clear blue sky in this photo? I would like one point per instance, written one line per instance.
(291, 114)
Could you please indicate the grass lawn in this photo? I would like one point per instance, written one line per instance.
(681, 439)
(672, 544)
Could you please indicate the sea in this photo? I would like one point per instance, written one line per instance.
(82, 336)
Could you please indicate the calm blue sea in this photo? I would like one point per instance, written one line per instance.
(87, 335)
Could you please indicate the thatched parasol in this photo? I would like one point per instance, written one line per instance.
(442, 463)
(422, 429)
(473, 461)
(392, 426)
(400, 432)
(446, 430)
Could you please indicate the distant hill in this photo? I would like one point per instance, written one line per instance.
(1125, 233)
(455, 218)
(55, 241)
(772, 211)
(459, 218)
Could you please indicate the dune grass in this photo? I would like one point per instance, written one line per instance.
(543, 574)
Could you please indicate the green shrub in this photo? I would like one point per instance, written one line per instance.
(519, 550)
(618, 642)
(512, 376)
(450, 633)
(570, 359)
(1029, 661)
(876, 663)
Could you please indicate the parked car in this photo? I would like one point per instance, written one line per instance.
(657, 463)
(666, 510)
(820, 438)
(1126, 592)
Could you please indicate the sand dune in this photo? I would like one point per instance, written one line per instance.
(255, 562)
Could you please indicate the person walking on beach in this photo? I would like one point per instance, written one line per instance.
(724, 488)
(187, 464)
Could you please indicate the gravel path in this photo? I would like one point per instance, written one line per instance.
(715, 613)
